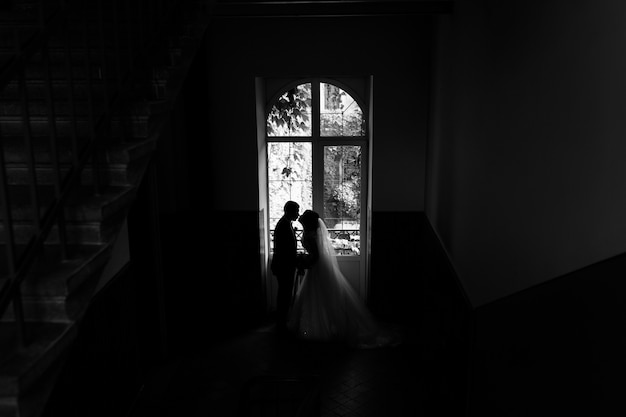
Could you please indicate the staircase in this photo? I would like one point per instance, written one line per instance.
(85, 88)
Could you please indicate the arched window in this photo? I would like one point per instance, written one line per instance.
(316, 148)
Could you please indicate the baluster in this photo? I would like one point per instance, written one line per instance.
(5, 207)
(160, 16)
(103, 55)
(27, 136)
(120, 78)
(149, 21)
(90, 99)
(52, 136)
(18, 311)
(130, 39)
(116, 42)
(7, 218)
(8, 236)
(69, 72)
(106, 118)
(141, 24)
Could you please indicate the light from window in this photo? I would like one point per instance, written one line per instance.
(342, 197)
(289, 169)
(340, 115)
(291, 113)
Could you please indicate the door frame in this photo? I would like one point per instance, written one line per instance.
(360, 88)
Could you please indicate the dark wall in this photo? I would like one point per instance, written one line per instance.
(182, 154)
(525, 191)
(213, 282)
(525, 164)
(413, 284)
(210, 259)
(393, 50)
(554, 349)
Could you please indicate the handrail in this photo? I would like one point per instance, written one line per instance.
(116, 87)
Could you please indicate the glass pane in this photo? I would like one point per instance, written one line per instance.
(342, 197)
(289, 172)
(340, 115)
(290, 115)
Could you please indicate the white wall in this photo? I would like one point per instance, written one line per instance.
(526, 166)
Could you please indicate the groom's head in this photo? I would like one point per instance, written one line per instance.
(292, 210)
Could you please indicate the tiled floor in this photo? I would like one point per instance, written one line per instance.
(398, 381)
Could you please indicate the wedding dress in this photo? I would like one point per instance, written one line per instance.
(326, 307)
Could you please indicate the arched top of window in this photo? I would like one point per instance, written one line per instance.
(339, 113)
(290, 115)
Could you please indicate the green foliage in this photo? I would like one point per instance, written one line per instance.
(289, 175)
(340, 114)
(342, 182)
(290, 115)
(290, 164)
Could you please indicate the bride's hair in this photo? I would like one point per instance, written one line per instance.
(308, 219)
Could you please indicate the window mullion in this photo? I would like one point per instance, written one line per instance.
(315, 108)
(318, 150)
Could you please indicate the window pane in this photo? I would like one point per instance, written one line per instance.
(290, 115)
(340, 115)
(289, 169)
(342, 197)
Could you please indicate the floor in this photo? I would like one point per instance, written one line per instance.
(406, 380)
(426, 375)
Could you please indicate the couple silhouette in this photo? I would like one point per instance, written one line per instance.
(323, 306)
(285, 262)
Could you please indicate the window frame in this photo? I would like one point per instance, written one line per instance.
(318, 142)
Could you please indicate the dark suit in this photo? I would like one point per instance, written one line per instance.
(284, 262)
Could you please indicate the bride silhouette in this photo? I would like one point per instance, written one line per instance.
(326, 307)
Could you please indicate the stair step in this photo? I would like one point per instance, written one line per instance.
(121, 153)
(62, 106)
(49, 309)
(8, 407)
(115, 174)
(135, 126)
(83, 205)
(35, 68)
(89, 233)
(20, 369)
(122, 162)
(57, 55)
(37, 89)
(15, 150)
(89, 218)
(51, 277)
(58, 291)
(39, 107)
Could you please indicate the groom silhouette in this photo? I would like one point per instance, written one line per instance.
(284, 261)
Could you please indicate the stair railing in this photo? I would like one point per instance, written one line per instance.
(122, 35)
